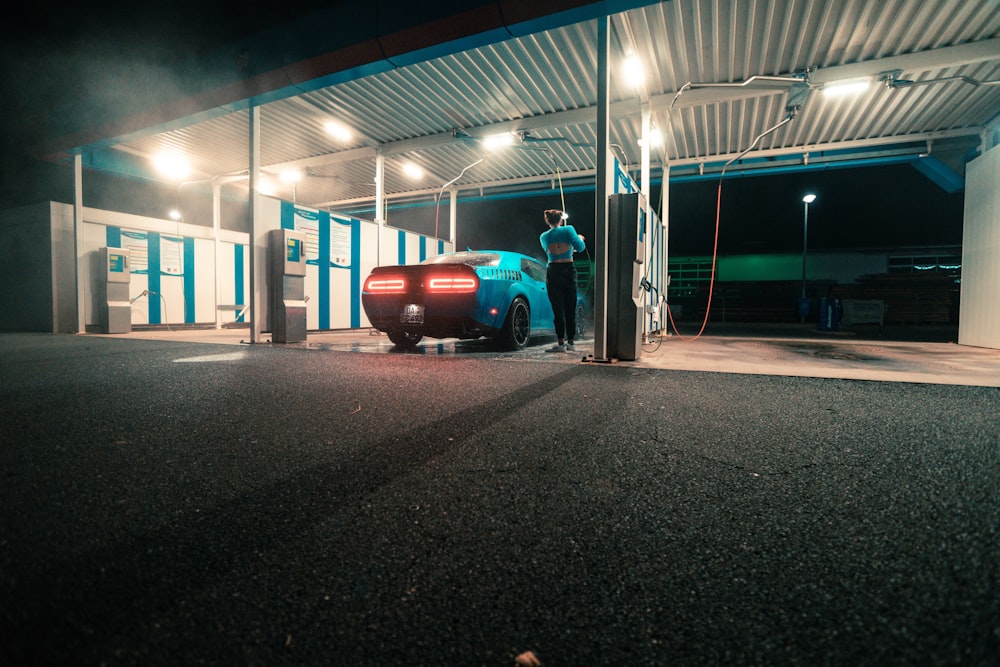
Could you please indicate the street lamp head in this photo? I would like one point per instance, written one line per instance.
(809, 198)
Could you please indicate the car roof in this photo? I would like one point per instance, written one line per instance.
(504, 256)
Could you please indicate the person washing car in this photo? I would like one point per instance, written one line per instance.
(559, 243)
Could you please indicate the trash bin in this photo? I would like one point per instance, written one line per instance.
(803, 308)
(829, 314)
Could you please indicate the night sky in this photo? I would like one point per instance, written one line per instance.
(858, 208)
(69, 66)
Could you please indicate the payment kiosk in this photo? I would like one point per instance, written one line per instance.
(114, 310)
(626, 253)
(286, 285)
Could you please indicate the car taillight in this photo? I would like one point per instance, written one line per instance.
(452, 283)
(385, 285)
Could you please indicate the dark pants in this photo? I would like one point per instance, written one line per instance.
(560, 281)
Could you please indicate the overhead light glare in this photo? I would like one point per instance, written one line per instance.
(172, 166)
(291, 176)
(846, 88)
(338, 130)
(495, 141)
(809, 198)
(413, 171)
(174, 214)
(265, 187)
(633, 71)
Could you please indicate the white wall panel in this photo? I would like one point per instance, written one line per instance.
(369, 258)
(311, 288)
(979, 313)
(340, 298)
(204, 264)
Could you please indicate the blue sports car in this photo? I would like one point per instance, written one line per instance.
(485, 293)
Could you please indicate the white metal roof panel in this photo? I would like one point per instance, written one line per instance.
(544, 85)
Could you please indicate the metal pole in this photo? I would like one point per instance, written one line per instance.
(257, 245)
(79, 246)
(379, 202)
(216, 232)
(601, 207)
(805, 237)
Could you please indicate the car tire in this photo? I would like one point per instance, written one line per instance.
(404, 338)
(517, 326)
(581, 323)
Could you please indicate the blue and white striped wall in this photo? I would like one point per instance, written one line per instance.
(340, 253)
(174, 264)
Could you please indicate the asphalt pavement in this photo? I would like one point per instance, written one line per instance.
(178, 502)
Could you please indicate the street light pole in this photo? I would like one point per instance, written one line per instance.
(803, 308)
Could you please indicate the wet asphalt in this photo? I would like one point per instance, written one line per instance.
(179, 503)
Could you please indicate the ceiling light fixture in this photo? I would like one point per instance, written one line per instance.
(338, 130)
(172, 166)
(413, 170)
(495, 141)
(846, 87)
(633, 71)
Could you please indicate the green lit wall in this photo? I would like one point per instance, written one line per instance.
(837, 267)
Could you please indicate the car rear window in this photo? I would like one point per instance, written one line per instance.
(470, 258)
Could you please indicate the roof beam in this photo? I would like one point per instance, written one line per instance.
(948, 56)
(363, 153)
(914, 145)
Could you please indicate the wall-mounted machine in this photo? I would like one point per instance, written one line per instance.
(114, 310)
(286, 285)
(626, 253)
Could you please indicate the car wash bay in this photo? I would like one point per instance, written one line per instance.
(199, 502)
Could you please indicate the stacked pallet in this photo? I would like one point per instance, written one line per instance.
(749, 301)
(909, 298)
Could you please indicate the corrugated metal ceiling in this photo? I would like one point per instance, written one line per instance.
(544, 88)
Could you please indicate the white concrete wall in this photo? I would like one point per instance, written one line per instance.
(38, 275)
(64, 305)
(979, 313)
(184, 250)
(26, 269)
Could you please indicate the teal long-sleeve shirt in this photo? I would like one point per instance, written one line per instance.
(563, 234)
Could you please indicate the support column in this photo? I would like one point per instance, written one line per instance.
(216, 229)
(78, 245)
(664, 276)
(379, 186)
(644, 156)
(257, 246)
(379, 202)
(601, 206)
(452, 215)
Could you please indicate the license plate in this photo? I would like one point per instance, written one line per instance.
(413, 313)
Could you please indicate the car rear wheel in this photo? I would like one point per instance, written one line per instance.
(404, 338)
(517, 326)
